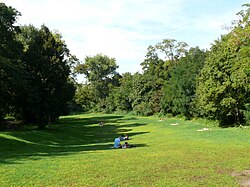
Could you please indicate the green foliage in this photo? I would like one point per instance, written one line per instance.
(46, 61)
(169, 83)
(137, 90)
(172, 49)
(179, 90)
(139, 95)
(223, 86)
(122, 94)
(84, 97)
(35, 68)
(10, 52)
(119, 98)
(100, 73)
(9, 46)
(143, 109)
(36, 84)
(159, 60)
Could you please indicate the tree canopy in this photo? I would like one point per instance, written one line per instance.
(178, 80)
(37, 83)
(100, 72)
(10, 54)
(223, 86)
(46, 61)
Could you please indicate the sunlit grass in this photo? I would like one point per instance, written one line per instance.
(77, 152)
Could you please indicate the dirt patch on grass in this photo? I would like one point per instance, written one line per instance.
(243, 178)
(198, 178)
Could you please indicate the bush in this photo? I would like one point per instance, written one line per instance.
(143, 109)
(132, 113)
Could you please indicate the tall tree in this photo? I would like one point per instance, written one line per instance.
(120, 97)
(172, 49)
(224, 84)
(10, 51)
(179, 90)
(140, 95)
(47, 62)
(100, 72)
(160, 59)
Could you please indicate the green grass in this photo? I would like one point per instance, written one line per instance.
(77, 152)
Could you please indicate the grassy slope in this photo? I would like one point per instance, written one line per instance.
(76, 152)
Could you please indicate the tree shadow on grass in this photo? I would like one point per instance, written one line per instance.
(68, 136)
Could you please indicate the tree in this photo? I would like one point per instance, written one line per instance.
(172, 50)
(11, 75)
(179, 90)
(160, 59)
(119, 98)
(139, 95)
(47, 62)
(223, 86)
(100, 72)
(84, 97)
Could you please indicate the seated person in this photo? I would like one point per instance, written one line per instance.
(126, 137)
(117, 143)
(125, 145)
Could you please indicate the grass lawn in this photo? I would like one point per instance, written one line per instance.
(77, 152)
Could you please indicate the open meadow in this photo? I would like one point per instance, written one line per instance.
(76, 151)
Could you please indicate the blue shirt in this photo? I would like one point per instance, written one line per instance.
(117, 143)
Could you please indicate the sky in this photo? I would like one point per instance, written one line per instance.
(123, 29)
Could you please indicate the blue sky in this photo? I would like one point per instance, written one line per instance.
(123, 29)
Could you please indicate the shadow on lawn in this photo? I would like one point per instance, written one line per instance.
(69, 136)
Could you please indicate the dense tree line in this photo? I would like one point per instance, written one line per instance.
(36, 84)
(35, 69)
(177, 80)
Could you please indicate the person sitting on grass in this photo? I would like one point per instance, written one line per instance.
(125, 145)
(126, 137)
(117, 143)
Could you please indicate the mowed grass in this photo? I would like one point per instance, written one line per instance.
(77, 152)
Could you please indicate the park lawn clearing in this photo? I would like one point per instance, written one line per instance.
(77, 152)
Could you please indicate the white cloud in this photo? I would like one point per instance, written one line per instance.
(123, 29)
